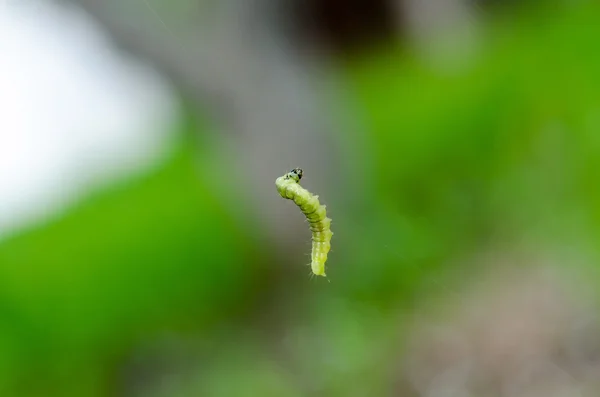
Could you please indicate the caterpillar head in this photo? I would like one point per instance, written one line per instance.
(295, 174)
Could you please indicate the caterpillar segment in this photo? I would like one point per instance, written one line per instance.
(289, 188)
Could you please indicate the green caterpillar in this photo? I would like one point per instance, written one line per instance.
(289, 188)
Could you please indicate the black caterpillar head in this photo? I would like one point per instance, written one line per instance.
(295, 174)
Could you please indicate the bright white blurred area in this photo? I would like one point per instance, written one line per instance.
(74, 113)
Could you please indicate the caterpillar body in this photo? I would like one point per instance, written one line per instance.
(289, 188)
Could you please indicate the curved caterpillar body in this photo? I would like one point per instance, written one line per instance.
(289, 188)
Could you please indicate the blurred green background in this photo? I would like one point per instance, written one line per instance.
(167, 284)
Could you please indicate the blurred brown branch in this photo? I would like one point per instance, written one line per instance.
(234, 60)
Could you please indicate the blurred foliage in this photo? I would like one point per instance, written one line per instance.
(504, 150)
(148, 252)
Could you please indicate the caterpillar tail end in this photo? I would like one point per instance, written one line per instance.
(318, 269)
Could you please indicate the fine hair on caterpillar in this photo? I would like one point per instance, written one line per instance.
(289, 188)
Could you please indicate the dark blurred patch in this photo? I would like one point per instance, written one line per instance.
(344, 26)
